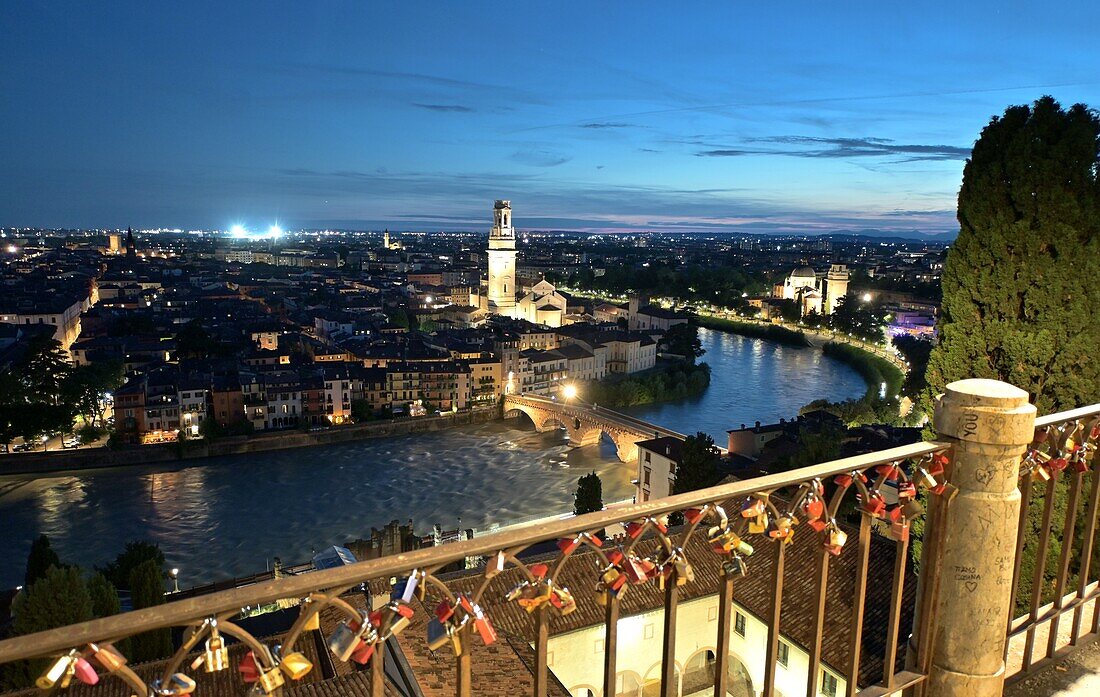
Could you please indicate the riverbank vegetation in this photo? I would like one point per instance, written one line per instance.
(676, 380)
(771, 332)
(56, 594)
(879, 404)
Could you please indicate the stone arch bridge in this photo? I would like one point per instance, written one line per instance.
(584, 423)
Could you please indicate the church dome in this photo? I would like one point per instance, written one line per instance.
(803, 272)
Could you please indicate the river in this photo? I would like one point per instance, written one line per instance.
(230, 516)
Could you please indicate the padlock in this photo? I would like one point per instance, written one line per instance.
(834, 541)
(57, 672)
(567, 545)
(782, 528)
(216, 656)
(1042, 472)
(562, 601)
(248, 668)
(364, 649)
(482, 623)
(633, 529)
(753, 508)
(400, 617)
(817, 524)
(1057, 464)
(441, 634)
(344, 640)
(603, 595)
(912, 508)
(444, 610)
(924, 479)
(295, 665)
(406, 588)
(813, 508)
(890, 472)
(906, 490)
(734, 566)
(520, 591)
(495, 564)
(541, 596)
(758, 524)
(615, 556)
(313, 620)
(637, 570)
(271, 680)
(693, 515)
(178, 684)
(107, 656)
(84, 672)
(874, 503)
(539, 571)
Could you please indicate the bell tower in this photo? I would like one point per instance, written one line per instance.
(836, 287)
(502, 261)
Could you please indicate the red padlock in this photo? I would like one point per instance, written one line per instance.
(539, 571)
(250, 672)
(693, 515)
(444, 610)
(567, 545)
(84, 671)
(753, 507)
(633, 529)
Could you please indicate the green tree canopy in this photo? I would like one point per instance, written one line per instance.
(1020, 292)
(40, 560)
(698, 464)
(683, 340)
(589, 495)
(57, 599)
(135, 553)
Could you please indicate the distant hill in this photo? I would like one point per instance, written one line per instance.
(891, 236)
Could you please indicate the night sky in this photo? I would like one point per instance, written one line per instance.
(731, 115)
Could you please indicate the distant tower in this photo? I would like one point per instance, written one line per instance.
(502, 261)
(114, 243)
(131, 249)
(386, 239)
(836, 286)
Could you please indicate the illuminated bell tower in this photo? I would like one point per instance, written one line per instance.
(502, 261)
(836, 287)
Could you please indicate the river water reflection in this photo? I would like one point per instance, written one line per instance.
(229, 516)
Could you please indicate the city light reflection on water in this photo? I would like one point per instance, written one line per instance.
(230, 516)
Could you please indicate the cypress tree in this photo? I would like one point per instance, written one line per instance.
(39, 561)
(57, 599)
(147, 590)
(1020, 292)
(589, 495)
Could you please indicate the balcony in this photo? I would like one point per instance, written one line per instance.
(795, 583)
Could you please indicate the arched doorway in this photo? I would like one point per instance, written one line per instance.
(628, 683)
(651, 687)
(699, 676)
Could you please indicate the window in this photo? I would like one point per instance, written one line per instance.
(647, 457)
(828, 684)
(647, 473)
(739, 624)
(784, 654)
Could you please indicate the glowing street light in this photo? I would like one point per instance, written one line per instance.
(866, 297)
(569, 392)
(238, 231)
(12, 249)
(175, 573)
(275, 230)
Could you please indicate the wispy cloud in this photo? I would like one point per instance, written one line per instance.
(840, 148)
(457, 108)
(607, 124)
(540, 158)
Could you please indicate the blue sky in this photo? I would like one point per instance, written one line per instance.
(760, 117)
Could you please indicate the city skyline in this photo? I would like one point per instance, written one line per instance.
(718, 120)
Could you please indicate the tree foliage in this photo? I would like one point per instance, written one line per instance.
(133, 555)
(147, 590)
(589, 495)
(40, 560)
(683, 340)
(1020, 293)
(57, 599)
(698, 467)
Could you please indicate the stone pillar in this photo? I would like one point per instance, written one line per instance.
(990, 424)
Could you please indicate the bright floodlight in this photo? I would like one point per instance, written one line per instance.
(569, 391)
(238, 231)
(866, 297)
(12, 249)
(274, 231)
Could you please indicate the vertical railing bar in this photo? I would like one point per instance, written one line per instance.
(1086, 552)
(925, 615)
(378, 670)
(1040, 572)
(611, 644)
(855, 638)
(462, 663)
(772, 660)
(1068, 529)
(897, 592)
(1021, 540)
(669, 688)
(542, 639)
(722, 641)
(820, 585)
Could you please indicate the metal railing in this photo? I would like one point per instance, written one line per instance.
(848, 609)
(1054, 573)
(809, 506)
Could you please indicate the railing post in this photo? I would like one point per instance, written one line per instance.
(990, 424)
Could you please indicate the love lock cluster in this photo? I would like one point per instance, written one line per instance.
(450, 618)
(1075, 452)
(541, 590)
(356, 640)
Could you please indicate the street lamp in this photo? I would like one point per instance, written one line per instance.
(175, 574)
(569, 392)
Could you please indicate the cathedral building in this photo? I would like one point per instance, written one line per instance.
(815, 292)
(541, 304)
